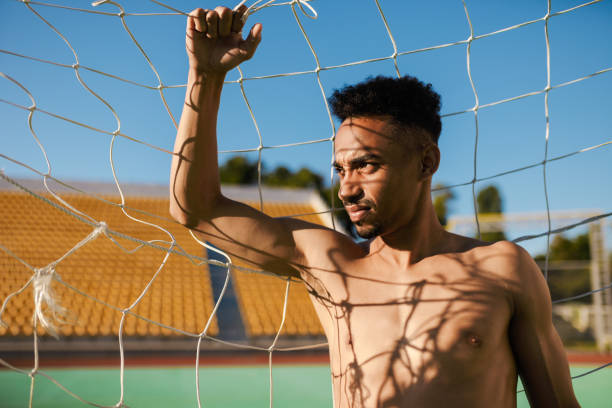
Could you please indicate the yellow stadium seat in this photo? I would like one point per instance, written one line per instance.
(27, 330)
(181, 294)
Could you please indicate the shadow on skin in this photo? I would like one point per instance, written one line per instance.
(444, 330)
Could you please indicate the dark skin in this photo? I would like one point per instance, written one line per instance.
(415, 317)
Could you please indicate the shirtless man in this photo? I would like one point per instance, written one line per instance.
(417, 317)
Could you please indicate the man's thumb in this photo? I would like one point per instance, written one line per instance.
(253, 39)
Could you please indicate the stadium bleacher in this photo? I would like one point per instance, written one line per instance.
(181, 296)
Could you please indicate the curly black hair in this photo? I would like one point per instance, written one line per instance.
(406, 100)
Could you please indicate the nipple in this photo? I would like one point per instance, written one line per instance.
(474, 340)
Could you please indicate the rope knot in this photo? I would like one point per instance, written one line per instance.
(100, 229)
(46, 272)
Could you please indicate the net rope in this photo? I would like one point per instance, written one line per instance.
(49, 312)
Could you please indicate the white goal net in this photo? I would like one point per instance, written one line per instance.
(94, 91)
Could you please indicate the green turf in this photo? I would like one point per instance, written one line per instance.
(592, 391)
(295, 386)
(227, 387)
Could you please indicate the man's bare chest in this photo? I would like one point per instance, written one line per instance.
(428, 327)
(432, 314)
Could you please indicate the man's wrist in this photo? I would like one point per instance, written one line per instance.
(215, 78)
(203, 87)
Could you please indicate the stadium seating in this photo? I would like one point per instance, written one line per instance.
(39, 234)
(180, 296)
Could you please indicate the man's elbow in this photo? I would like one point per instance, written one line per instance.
(187, 217)
(180, 215)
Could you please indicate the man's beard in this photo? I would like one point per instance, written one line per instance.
(370, 231)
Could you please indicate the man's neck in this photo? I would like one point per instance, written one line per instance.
(419, 239)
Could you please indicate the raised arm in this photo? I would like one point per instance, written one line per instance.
(538, 350)
(215, 45)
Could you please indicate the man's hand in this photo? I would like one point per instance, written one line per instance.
(214, 40)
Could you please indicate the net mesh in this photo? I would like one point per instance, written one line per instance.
(47, 309)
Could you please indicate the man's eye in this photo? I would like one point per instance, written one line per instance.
(368, 166)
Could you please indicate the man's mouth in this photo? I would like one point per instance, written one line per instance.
(357, 212)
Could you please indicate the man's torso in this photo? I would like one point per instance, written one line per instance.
(436, 333)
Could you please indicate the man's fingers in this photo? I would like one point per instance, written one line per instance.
(212, 21)
(238, 22)
(253, 40)
(190, 21)
(225, 21)
(196, 20)
(219, 22)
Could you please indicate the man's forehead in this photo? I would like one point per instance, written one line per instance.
(379, 134)
(367, 126)
(362, 136)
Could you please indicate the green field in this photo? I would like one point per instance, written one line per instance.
(227, 387)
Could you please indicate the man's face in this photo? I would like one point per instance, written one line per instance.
(379, 176)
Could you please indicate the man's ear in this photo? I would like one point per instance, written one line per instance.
(430, 160)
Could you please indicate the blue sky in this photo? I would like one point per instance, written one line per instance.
(291, 109)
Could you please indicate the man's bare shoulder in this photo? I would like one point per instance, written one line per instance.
(494, 250)
(506, 261)
(505, 255)
(503, 258)
(322, 247)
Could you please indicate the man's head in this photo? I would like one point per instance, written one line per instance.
(386, 150)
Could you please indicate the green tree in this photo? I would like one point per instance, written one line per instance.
(238, 170)
(303, 178)
(564, 249)
(279, 177)
(306, 178)
(441, 197)
(565, 282)
(489, 201)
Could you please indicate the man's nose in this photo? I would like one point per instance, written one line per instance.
(350, 191)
